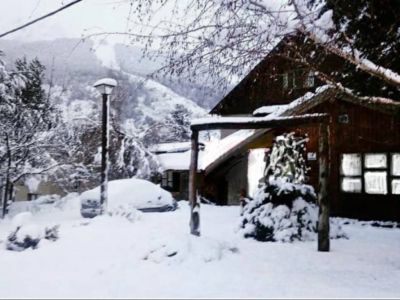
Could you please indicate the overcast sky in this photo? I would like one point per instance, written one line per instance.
(88, 15)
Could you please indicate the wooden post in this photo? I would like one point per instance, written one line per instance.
(194, 205)
(323, 197)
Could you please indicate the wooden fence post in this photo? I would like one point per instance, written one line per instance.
(323, 197)
(194, 205)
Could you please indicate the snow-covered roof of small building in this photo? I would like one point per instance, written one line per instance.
(175, 161)
(170, 147)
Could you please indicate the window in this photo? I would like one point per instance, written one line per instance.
(351, 165)
(285, 81)
(299, 78)
(351, 171)
(294, 78)
(372, 173)
(396, 186)
(395, 173)
(171, 181)
(395, 164)
(352, 185)
(375, 161)
(375, 177)
(375, 182)
(32, 196)
(310, 80)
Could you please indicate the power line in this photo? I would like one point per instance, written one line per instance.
(40, 18)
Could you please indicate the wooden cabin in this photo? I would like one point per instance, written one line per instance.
(364, 138)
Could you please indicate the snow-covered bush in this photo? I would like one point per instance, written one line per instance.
(284, 207)
(281, 211)
(28, 234)
(24, 237)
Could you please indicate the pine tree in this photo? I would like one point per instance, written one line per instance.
(284, 206)
(286, 160)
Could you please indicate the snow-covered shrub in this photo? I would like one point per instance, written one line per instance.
(281, 211)
(26, 234)
(51, 233)
(24, 237)
(284, 207)
(29, 236)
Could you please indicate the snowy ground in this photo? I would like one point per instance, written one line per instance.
(154, 257)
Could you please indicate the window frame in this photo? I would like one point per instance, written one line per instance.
(390, 177)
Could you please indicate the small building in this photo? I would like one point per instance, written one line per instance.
(34, 187)
(175, 161)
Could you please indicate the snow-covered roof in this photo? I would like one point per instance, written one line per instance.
(284, 110)
(266, 110)
(212, 150)
(217, 148)
(170, 147)
(175, 161)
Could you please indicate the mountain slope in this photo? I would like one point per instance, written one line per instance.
(73, 66)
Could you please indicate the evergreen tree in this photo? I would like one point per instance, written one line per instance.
(284, 206)
(26, 119)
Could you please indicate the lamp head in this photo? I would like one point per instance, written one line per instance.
(105, 85)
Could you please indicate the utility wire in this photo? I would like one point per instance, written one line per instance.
(40, 18)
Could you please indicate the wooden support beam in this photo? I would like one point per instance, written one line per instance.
(259, 122)
(323, 197)
(194, 205)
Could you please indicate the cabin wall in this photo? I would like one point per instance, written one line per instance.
(359, 130)
(264, 85)
(365, 131)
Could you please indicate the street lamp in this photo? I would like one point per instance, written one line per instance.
(105, 87)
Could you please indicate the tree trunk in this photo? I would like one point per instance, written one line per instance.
(323, 197)
(8, 182)
(5, 199)
(194, 205)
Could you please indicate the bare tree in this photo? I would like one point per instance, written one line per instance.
(226, 38)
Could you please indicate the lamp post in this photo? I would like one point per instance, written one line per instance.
(105, 87)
